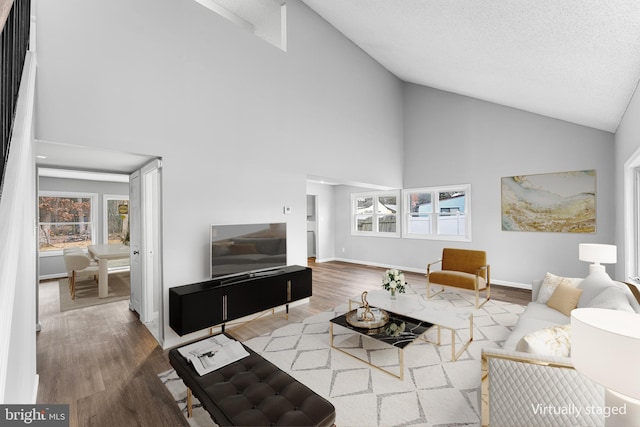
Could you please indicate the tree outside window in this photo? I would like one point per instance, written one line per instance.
(65, 220)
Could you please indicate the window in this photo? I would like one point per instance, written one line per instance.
(65, 220)
(375, 214)
(438, 213)
(116, 219)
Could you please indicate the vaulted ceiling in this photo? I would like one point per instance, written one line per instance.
(574, 60)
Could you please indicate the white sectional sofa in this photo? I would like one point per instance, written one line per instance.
(524, 385)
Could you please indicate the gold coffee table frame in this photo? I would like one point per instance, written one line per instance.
(412, 306)
(465, 344)
(363, 331)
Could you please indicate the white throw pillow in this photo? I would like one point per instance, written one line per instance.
(554, 341)
(551, 282)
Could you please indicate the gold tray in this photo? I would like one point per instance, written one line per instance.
(352, 319)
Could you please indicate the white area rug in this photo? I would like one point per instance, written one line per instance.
(87, 291)
(178, 390)
(435, 391)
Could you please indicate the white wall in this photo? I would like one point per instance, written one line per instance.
(452, 139)
(238, 123)
(18, 377)
(627, 143)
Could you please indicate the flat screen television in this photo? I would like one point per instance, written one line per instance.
(247, 249)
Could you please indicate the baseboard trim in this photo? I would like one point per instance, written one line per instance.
(380, 265)
(511, 284)
(52, 276)
(423, 271)
(319, 260)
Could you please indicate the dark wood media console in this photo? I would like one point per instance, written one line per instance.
(217, 301)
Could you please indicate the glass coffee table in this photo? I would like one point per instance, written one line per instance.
(410, 317)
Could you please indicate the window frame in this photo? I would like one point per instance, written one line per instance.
(93, 197)
(375, 215)
(406, 203)
(105, 212)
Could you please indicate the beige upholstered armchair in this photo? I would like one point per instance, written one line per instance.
(461, 268)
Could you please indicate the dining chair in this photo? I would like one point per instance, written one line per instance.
(78, 263)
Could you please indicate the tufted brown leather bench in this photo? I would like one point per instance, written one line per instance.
(254, 392)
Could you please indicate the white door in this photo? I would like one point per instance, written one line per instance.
(146, 255)
(135, 241)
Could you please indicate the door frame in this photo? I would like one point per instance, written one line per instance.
(151, 244)
(631, 230)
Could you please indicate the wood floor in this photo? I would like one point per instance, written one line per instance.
(104, 363)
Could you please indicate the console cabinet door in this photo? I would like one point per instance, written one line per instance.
(201, 310)
(300, 284)
(254, 296)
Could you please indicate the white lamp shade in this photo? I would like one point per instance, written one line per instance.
(605, 346)
(598, 253)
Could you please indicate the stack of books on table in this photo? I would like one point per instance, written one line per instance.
(213, 353)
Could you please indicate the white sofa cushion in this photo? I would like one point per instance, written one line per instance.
(596, 294)
(535, 317)
(590, 288)
(612, 298)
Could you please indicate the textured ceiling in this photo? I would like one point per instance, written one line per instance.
(574, 60)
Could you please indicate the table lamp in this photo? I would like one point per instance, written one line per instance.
(605, 345)
(598, 254)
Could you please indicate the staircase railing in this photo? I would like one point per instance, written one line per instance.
(15, 19)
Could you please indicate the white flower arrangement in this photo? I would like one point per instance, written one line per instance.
(393, 279)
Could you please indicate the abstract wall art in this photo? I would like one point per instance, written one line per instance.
(562, 202)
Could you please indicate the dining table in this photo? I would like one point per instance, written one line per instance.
(103, 253)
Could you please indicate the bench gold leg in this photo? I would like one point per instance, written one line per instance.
(189, 403)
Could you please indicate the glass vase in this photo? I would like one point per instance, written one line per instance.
(393, 293)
